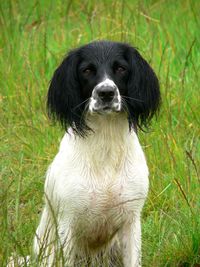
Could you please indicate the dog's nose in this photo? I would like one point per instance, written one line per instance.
(106, 93)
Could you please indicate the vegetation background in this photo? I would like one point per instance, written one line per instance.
(34, 37)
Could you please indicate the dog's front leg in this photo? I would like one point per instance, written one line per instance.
(130, 238)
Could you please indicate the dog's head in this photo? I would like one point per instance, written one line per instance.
(102, 78)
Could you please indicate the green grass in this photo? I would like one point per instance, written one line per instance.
(34, 36)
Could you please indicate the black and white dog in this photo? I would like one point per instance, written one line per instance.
(97, 184)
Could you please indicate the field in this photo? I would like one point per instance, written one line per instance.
(34, 37)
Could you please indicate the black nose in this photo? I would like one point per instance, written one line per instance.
(106, 93)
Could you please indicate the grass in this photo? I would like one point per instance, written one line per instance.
(34, 36)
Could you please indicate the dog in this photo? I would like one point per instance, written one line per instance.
(102, 94)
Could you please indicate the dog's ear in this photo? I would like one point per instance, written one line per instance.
(143, 90)
(64, 97)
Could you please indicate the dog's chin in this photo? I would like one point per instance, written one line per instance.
(106, 109)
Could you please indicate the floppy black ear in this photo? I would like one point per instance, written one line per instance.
(64, 98)
(143, 90)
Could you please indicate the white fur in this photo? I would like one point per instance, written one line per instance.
(95, 190)
(106, 82)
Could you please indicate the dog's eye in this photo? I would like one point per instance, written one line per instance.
(120, 69)
(88, 71)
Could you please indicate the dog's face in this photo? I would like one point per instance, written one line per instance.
(103, 73)
(103, 77)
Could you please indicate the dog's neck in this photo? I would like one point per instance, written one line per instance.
(106, 147)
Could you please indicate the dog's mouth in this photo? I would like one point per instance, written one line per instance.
(107, 108)
(98, 107)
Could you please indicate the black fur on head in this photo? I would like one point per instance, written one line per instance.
(64, 95)
(84, 68)
(143, 90)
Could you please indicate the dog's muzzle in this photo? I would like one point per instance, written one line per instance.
(105, 97)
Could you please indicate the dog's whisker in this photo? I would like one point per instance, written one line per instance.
(83, 112)
(81, 104)
(132, 98)
(124, 106)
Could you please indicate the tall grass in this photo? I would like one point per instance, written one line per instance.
(34, 36)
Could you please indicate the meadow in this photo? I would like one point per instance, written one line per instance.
(34, 37)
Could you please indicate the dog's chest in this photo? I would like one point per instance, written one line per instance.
(97, 208)
(109, 194)
(102, 198)
(101, 185)
(97, 194)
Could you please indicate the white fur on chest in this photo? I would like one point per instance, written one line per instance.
(98, 182)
